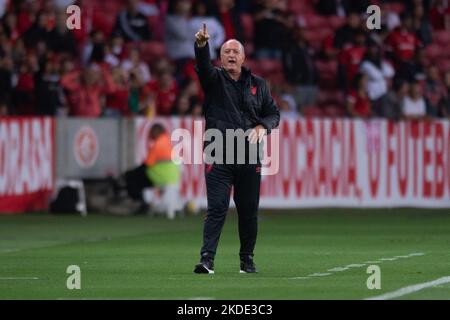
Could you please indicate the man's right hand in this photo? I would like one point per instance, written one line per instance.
(202, 36)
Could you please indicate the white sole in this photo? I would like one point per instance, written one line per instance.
(204, 268)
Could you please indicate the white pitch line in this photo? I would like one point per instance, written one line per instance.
(410, 289)
(358, 265)
(338, 269)
(416, 254)
(19, 278)
(318, 274)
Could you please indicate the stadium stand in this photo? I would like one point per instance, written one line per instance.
(24, 66)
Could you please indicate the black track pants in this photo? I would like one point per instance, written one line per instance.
(246, 179)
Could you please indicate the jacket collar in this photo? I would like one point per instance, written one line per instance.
(245, 74)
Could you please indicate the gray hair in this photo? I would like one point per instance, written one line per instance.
(241, 47)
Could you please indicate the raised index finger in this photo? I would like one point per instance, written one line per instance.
(204, 27)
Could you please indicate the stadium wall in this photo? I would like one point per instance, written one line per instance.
(321, 162)
(27, 157)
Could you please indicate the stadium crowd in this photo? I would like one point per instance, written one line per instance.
(137, 57)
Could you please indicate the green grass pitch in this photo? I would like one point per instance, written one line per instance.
(153, 258)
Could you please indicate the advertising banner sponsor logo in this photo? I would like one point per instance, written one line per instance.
(339, 163)
(26, 163)
(85, 147)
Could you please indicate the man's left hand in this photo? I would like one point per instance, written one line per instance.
(257, 134)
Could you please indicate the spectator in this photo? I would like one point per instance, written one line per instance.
(67, 65)
(38, 31)
(117, 98)
(379, 74)
(270, 29)
(389, 18)
(300, 68)
(332, 7)
(118, 46)
(179, 33)
(24, 97)
(6, 83)
(4, 110)
(359, 6)
(287, 103)
(445, 103)
(18, 51)
(61, 39)
(395, 99)
(109, 57)
(341, 8)
(191, 81)
(182, 105)
(345, 34)
(422, 26)
(134, 63)
(349, 60)
(91, 21)
(50, 98)
(94, 50)
(402, 43)
(148, 7)
(86, 89)
(131, 24)
(435, 92)
(358, 103)
(137, 101)
(414, 104)
(439, 15)
(416, 69)
(215, 29)
(9, 24)
(163, 91)
(196, 109)
(226, 13)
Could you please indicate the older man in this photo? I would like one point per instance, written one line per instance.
(234, 99)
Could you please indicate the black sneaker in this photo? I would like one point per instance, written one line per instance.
(247, 265)
(206, 265)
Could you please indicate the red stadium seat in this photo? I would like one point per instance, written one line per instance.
(311, 112)
(317, 36)
(327, 97)
(441, 37)
(300, 7)
(333, 110)
(444, 65)
(313, 20)
(327, 66)
(156, 26)
(335, 22)
(150, 50)
(433, 51)
(397, 7)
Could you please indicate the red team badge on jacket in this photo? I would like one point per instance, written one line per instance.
(254, 90)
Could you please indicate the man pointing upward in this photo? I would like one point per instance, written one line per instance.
(234, 99)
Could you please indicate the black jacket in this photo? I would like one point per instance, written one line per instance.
(231, 104)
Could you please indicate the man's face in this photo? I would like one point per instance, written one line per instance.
(232, 57)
